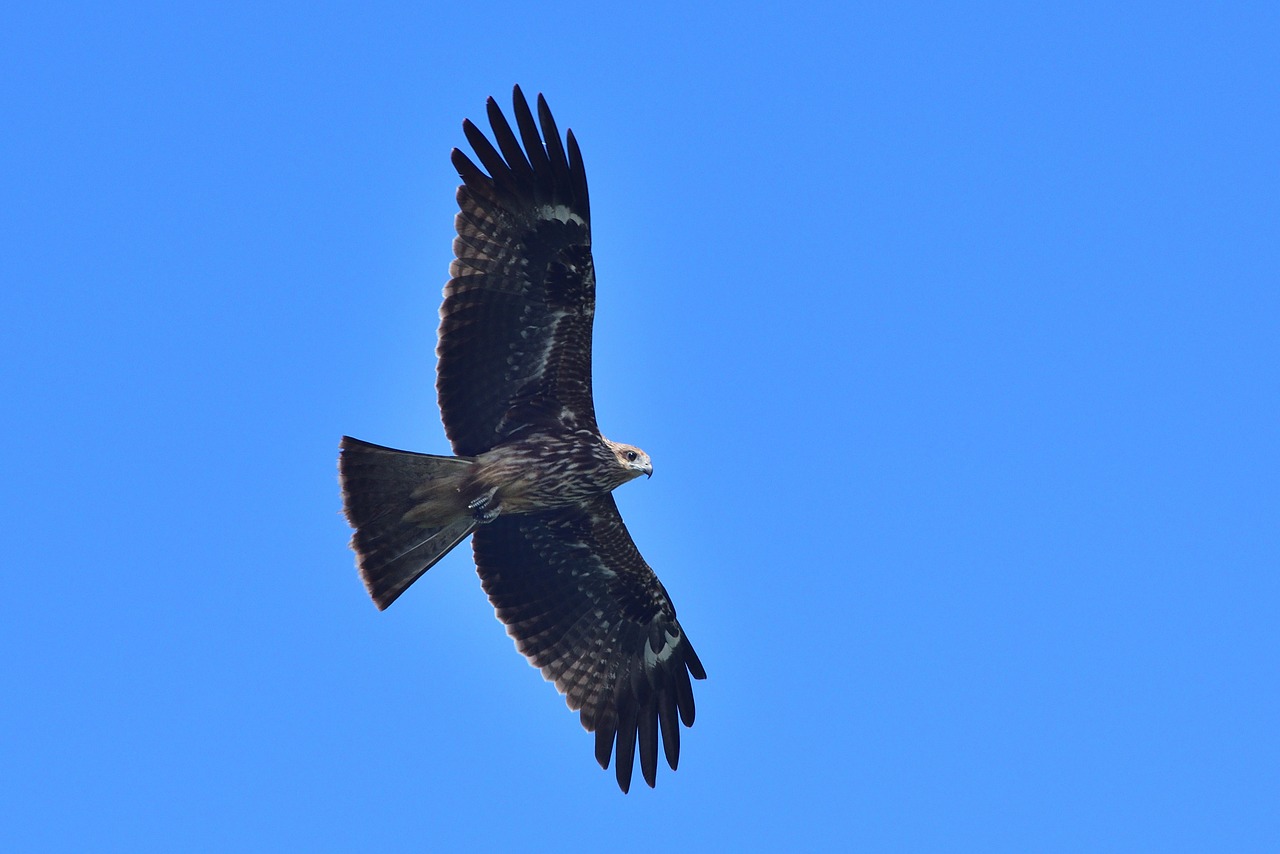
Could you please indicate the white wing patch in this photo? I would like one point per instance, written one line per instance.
(669, 642)
(561, 213)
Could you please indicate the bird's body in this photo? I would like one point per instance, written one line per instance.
(533, 475)
(586, 466)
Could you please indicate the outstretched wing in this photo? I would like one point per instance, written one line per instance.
(583, 606)
(515, 326)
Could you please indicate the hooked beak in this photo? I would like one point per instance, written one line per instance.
(648, 470)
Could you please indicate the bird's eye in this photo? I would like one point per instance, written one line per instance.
(631, 456)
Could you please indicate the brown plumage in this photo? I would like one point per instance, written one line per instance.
(533, 476)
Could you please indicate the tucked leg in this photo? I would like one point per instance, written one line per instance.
(485, 509)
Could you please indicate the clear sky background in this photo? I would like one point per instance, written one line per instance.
(953, 332)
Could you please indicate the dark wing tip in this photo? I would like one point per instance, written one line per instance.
(670, 723)
(626, 746)
(693, 662)
(578, 177)
(528, 164)
(647, 731)
(468, 171)
(649, 708)
(605, 732)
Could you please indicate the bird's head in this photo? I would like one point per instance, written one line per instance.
(634, 461)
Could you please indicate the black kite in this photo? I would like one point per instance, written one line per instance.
(533, 477)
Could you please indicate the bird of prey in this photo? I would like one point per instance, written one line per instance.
(533, 476)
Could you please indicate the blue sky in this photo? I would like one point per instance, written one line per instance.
(952, 331)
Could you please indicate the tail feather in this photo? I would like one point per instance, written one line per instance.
(406, 511)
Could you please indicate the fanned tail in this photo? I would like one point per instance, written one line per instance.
(406, 511)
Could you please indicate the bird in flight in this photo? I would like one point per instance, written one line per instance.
(533, 477)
